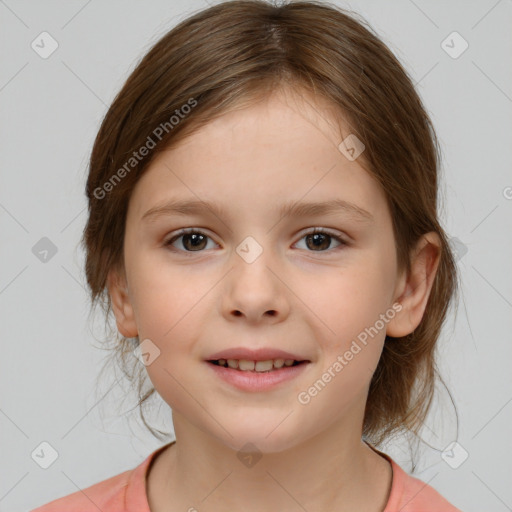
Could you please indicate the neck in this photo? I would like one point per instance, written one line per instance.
(332, 471)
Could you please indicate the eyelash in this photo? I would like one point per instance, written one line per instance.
(189, 231)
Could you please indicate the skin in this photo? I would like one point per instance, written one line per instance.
(193, 303)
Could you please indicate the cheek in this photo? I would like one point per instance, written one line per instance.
(162, 294)
(169, 308)
(350, 311)
(346, 300)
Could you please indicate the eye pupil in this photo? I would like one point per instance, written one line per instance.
(319, 240)
(197, 239)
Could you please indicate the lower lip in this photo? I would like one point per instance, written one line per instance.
(257, 381)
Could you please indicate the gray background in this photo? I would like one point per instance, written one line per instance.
(50, 111)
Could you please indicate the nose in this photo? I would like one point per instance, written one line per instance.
(256, 291)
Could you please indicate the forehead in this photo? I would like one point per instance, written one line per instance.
(280, 149)
(294, 110)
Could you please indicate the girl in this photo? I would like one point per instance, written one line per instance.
(263, 224)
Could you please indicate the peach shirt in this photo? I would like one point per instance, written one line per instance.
(126, 492)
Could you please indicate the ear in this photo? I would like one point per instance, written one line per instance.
(413, 290)
(121, 305)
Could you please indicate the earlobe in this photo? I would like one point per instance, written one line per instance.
(121, 304)
(414, 289)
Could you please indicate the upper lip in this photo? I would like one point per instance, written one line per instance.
(261, 354)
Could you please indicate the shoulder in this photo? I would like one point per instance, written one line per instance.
(125, 492)
(106, 496)
(410, 494)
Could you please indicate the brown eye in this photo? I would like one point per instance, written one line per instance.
(320, 241)
(192, 240)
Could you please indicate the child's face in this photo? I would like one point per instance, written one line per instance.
(310, 298)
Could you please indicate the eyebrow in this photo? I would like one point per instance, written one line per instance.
(288, 209)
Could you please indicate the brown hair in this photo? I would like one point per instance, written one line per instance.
(226, 56)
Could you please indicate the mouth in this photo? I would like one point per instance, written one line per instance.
(257, 376)
(266, 366)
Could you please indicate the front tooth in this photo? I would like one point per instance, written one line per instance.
(243, 364)
(278, 363)
(288, 362)
(232, 363)
(264, 366)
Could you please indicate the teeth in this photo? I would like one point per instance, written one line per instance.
(263, 366)
(258, 366)
(245, 365)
